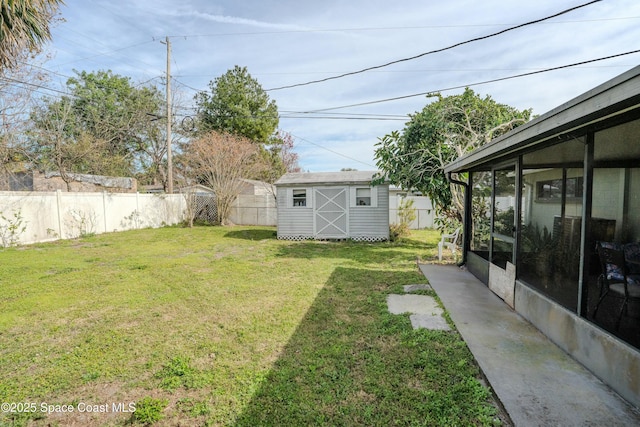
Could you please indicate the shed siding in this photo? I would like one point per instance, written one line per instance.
(371, 221)
(293, 222)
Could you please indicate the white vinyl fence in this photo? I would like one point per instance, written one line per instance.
(425, 212)
(29, 217)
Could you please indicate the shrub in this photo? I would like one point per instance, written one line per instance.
(406, 215)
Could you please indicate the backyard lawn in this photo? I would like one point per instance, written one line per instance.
(225, 326)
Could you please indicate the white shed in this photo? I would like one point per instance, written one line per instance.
(332, 205)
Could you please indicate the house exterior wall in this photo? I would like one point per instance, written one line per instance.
(544, 211)
(609, 184)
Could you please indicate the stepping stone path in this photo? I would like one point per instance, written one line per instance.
(425, 311)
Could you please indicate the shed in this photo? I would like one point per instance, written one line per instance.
(332, 205)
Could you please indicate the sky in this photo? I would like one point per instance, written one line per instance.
(286, 42)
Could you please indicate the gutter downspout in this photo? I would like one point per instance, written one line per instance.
(466, 222)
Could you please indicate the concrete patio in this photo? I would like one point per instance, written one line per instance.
(537, 383)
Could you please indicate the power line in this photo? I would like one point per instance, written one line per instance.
(417, 27)
(381, 119)
(395, 116)
(437, 50)
(332, 151)
(423, 70)
(16, 82)
(478, 83)
(186, 85)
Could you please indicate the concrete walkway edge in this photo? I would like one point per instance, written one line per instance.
(537, 383)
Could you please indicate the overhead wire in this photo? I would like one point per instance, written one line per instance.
(381, 119)
(332, 151)
(100, 42)
(435, 91)
(431, 52)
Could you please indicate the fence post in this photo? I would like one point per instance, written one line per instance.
(59, 210)
(104, 209)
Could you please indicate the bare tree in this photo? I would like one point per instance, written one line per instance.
(220, 161)
(57, 149)
(288, 157)
(17, 93)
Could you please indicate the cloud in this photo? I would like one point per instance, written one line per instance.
(225, 19)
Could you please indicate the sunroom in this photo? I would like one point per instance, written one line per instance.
(540, 201)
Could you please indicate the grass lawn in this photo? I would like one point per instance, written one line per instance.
(225, 326)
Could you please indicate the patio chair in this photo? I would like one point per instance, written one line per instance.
(449, 241)
(616, 279)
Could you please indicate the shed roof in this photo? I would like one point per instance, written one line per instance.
(326, 178)
(613, 98)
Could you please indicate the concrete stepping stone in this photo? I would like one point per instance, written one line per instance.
(420, 287)
(428, 321)
(425, 311)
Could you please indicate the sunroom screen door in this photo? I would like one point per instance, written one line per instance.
(331, 212)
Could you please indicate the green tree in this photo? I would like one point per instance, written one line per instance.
(106, 115)
(238, 105)
(24, 26)
(444, 130)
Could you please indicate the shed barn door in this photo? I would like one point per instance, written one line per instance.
(331, 211)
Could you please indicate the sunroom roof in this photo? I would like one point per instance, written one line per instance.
(613, 98)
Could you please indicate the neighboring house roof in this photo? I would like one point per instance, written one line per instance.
(326, 178)
(257, 188)
(615, 97)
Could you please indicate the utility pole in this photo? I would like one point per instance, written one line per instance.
(169, 160)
